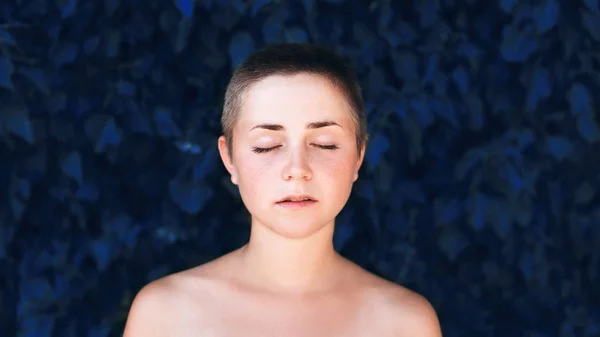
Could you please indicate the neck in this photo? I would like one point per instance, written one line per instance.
(271, 261)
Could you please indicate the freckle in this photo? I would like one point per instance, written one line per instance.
(335, 167)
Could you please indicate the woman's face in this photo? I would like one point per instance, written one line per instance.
(294, 137)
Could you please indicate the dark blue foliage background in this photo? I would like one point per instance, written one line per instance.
(479, 188)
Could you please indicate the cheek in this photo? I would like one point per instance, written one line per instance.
(253, 175)
(338, 168)
(336, 175)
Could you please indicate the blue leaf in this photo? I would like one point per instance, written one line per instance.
(68, 9)
(405, 65)
(402, 34)
(471, 158)
(588, 128)
(111, 46)
(122, 228)
(560, 147)
(428, 12)
(37, 326)
(593, 328)
(584, 194)
(20, 192)
(37, 77)
(272, 27)
(129, 237)
(6, 71)
(87, 193)
(461, 79)
(580, 100)
(126, 88)
(570, 38)
(526, 265)
(308, 5)
(66, 54)
(71, 166)
(472, 53)
(238, 5)
(111, 6)
(546, 15)
(477, 205)
(342, 234)
(190, 197)
(100, 331)
(35, 293)
(5, 37)
(500, 219)
(452, 243)
(204, 166)
(136, 120)
(508, 5)
(188, 147)
(447, 211)
(56, 103)
(440, 83)
(186, 7)
(592, 5)
(258, 4)
(432, 68)
(591, 22)
(182, 36)
(102, 251)
(539, 88)
(525, 138)
(378, 145)
(296, 34)
(16, 121)
(445, 110)
(91, 45)
(476, 111)
(6, 238)
(110, 135)
(517, 45)
(423, 112)
(240, 47)
(411, 190)
(524, 14)
(515, 180)
(164, 122)
(366, 191)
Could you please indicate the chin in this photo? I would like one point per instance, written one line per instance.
(297, 230)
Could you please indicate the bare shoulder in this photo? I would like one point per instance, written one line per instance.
(172, 304)
(147, 313)
(399, 310)
(409, 313)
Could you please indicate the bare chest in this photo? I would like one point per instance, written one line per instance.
(331, 318)
(293, 323)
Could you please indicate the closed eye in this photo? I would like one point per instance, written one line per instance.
(269, 149)
(263, 149)
(327, 147)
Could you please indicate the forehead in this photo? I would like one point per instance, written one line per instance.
(296, 98)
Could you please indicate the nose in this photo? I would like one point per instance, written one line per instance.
(297, 167)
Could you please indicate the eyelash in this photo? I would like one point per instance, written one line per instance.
(269, 149)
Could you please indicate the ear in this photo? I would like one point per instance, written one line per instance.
(227, 159)
(361, 157)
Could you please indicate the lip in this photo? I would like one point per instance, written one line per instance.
(297, 197)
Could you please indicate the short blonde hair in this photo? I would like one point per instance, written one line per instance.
(291, 59)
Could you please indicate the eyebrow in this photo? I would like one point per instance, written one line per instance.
(310, 125)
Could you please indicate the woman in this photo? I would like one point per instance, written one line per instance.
(294, 135)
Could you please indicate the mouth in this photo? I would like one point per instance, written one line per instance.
(297, 198)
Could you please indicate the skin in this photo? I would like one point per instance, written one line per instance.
(287, 280)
